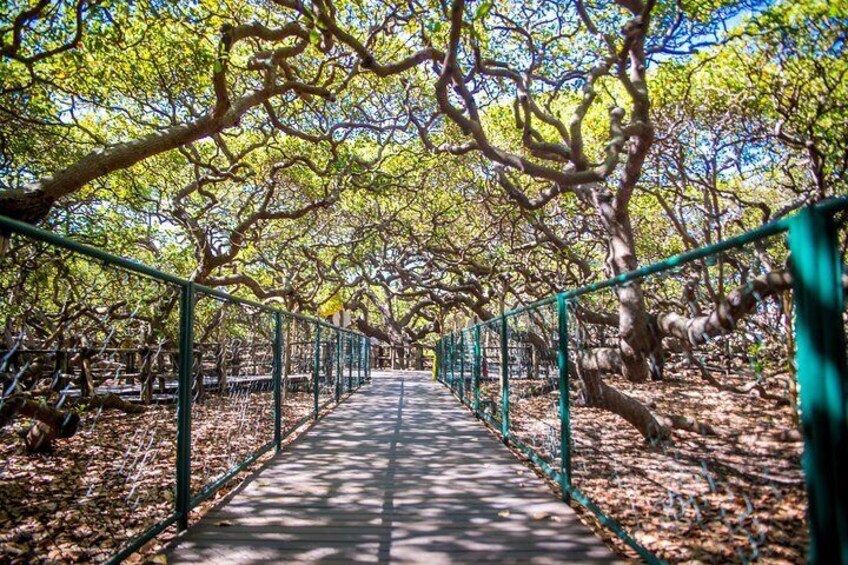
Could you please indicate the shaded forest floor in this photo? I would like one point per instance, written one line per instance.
(736, 495)
(116, 477)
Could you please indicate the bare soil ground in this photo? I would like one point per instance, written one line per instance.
(736, 496)
(115, 477)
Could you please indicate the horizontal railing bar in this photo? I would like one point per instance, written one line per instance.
(290, 430)
(57, 240)
(676, 261)
(546, 467)
(776, 227)
(833, 205)
(223, 295)
(226, 296)
(532, 306)
(139, 541)
(213, 487)
(584, 501)
(321, 323)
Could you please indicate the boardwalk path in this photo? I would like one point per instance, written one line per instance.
(399, 473)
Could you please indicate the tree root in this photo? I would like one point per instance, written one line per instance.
(50, 423)
(688, 424)
(115, 402)
(602, 395)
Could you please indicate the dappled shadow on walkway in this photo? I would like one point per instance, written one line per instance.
(397, 474)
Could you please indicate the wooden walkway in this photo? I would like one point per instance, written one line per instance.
(399, 473)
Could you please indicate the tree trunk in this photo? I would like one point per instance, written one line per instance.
(419, 358)
(786, 314)
(199, 384)
(49, 423)
(601, 395)
(146, 375)
(635, 339)
(590, 365)
(86, 378)
(112, 401)
(221, 365)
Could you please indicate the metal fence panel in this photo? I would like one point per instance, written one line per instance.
(88, 393)
(127, 395)
(742, 421)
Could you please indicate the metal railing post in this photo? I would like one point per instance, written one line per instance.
(443, 361)
(367, 360)
(357, 346)
(359, 362)
(186, 369)
(350, 365)
(451, 359)
(446, 361)
(316, 367)
(823, 380)
(278, 380)
(339, 365)
(462, 346)
(457, 342)
(504, 379)
(453, 362)
(437, 353)
(475, 374)
(564, 400)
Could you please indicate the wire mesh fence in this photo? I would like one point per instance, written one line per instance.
(359, 364)
(326, 374)
(532, 349)
(715, 455)
(491, 373)
(128, 395)
(87, 438)
(467, 374)
(346, 365)
(709, 430)
(298, 374)
(232, 390)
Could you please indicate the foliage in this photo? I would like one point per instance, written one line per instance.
(367, 197)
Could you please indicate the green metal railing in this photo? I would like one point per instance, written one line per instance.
(221, 380)
(721, 476)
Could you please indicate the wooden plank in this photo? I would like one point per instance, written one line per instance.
(397, 474)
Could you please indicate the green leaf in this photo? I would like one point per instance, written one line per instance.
(483, 10)
(315, 37)
(218, 67)
(433, 26)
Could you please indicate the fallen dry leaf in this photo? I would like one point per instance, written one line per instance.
(224, 523)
